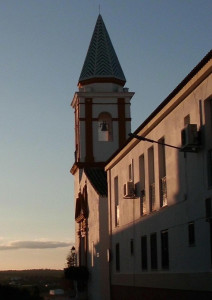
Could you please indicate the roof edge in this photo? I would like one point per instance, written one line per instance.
(101, 80)
(178, 88)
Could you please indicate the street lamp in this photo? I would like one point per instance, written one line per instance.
(141, 138)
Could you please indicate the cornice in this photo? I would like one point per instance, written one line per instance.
(95, 95)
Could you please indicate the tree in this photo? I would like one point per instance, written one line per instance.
(71, 258)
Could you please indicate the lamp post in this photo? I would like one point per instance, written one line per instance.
(141, 138)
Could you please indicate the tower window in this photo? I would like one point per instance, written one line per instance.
(104, 127)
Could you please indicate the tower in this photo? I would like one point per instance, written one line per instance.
(101, 104)
(102, 124)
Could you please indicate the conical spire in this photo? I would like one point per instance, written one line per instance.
(101, 63)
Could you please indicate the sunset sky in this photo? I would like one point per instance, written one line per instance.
(43, 47)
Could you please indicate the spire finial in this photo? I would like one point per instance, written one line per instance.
(99, 9)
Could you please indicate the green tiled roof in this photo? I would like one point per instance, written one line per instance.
(98, 179)
(101, 61)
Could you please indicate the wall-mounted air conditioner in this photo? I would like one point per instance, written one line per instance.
(190, 138)
(129, 190)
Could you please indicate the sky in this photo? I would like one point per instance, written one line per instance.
(43, 47)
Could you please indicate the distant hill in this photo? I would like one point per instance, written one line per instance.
(31, 276)
(37, 282)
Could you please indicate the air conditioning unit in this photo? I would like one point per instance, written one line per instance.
(190, 138)
(129, 189)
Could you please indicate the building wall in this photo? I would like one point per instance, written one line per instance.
(97, 242)
(187, 189)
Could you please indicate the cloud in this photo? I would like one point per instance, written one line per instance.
(34, 245)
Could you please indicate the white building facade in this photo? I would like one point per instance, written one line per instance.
(159, 198)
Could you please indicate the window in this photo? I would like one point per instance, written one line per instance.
(142, 203)
(151, 179)
(130, 172)
(116, 199)
(191, 234)
(208, 215)
(92, 254)
(144, 252)
(153, 251)
(117, 257)
(211, 113)
(210, 168)
(208, 209)
(208, 138)
(131, 247)
(187, 120)
(142, 185)
(162, 172)
(210, 228)
(104, 127)
(164, 249)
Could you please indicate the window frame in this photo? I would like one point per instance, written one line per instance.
(191, 234)
(117, 255)
(144, 253)
(164, 249)
(153, 251)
